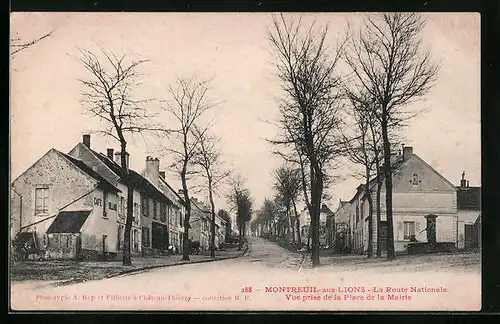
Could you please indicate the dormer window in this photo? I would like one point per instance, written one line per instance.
(414, 180)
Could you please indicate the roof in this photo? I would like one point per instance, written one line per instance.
(103, 183)
(69, 221)
(343, 203)
(469, 198)
(138, 181)
(325, 209)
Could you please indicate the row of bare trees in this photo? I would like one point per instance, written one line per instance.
(348, 102)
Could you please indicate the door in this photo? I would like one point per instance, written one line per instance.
(469, 237)
(383, 236)
(104, 250)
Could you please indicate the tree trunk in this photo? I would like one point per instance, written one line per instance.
(212, 205)
(240, 229)
(379, 241)
(297, 221)
(127, 257)
(388, 188)
(317, 190)
(370, 214)
(185, 239)
(290, 225)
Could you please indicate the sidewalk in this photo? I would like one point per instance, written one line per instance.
(66, 272)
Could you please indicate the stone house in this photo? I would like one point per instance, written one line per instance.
(64, 210)
(325, 217)
(422, 199)
(340, 227)
(199, 223)
(469, 215)
(175, 208)
(149, 233)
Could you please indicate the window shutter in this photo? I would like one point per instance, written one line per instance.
(417, 229)
(400, 231)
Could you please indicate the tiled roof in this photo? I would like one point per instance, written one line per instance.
(138, 181)
(469, 198)
(103, 183)
(69, 221)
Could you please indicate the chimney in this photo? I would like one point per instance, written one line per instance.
(467, 183)
(162, 174)
(118, 159)
(86, 140)
(152, 169)
(110, 154)
(407, 152)
(180, 192)
(463, 182)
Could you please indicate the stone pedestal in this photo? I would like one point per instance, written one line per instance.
(431, 229)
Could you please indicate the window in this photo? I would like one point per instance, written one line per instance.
(120, 237)
(136, 212)
(172, 216)
(409, 230)
(121, 202)
(155, 210)
(135, 239)
(145, 206)
(414, 180)
(42, 201)
(163, 212)
(145, 236)
(105, 202)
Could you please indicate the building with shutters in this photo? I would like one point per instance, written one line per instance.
(153, 208)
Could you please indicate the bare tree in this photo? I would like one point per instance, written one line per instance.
(388, 62)
(17, 45)
(288, 186)
(108, 95)
(240, 200)
(209, 159)
(310, 108)
(361, 148)
(190, 102)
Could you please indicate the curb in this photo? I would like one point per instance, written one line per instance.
(130, 271)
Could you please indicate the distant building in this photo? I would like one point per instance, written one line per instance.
(325, 217)
(469, 215)
(199, 223)
(339, 230)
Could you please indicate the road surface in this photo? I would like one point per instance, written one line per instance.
(268, 277)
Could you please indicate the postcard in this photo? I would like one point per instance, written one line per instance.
(245, 161)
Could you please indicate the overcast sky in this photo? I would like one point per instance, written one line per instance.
(234, 51)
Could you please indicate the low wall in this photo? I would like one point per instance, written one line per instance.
(425, 247)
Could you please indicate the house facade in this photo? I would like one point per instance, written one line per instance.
(325, 216)
(422, 199)
(63, 209)
(200, 224)
(150, 231)
(339, 231)
(174, 209)
(469, 215)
